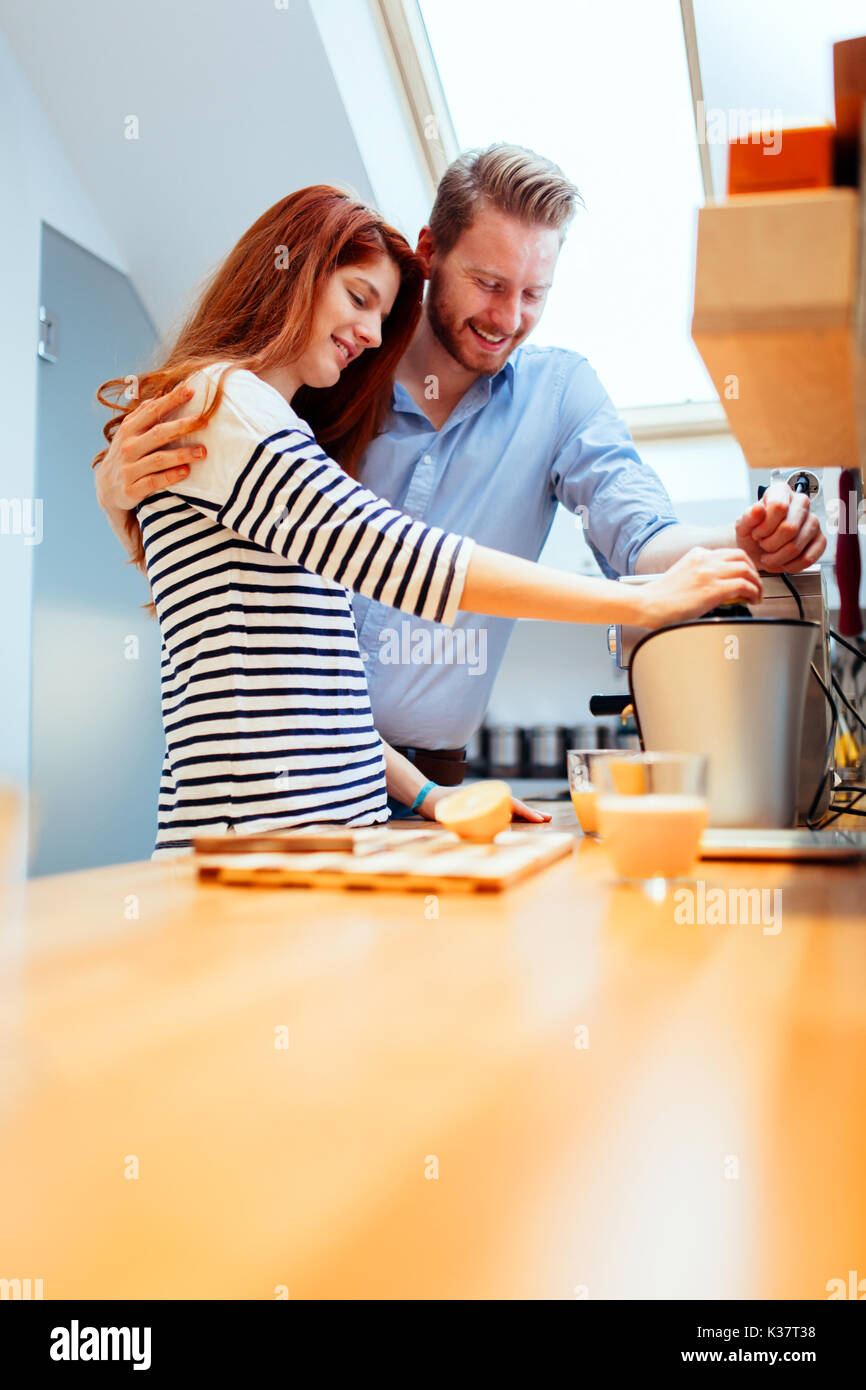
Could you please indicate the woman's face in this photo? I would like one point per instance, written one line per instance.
(348, 318)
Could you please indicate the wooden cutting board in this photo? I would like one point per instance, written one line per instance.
(433, 861)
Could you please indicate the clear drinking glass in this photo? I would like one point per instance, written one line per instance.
(582, 785)
(652, 809)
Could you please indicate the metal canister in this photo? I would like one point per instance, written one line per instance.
(476, 761)
(504, 750)
(547, 751)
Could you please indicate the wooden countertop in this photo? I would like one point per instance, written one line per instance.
(703, 1137)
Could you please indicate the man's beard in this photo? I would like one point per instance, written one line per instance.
(445, 329)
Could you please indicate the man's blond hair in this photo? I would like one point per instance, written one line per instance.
(509, 178)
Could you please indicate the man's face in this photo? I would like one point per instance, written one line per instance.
(486, 295)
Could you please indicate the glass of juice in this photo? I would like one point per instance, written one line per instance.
(652, 809)
(582, 786)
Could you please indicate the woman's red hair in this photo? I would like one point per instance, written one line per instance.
(257, 312)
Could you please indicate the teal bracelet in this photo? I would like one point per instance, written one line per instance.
(427, 787)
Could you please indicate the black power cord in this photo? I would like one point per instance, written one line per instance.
(844, 808)
(789, 584)
(843, 641)
(833, 811)
(829, 760)
(861, 657)
(847, 703)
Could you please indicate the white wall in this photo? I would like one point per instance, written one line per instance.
(236, 105)
(38, 185)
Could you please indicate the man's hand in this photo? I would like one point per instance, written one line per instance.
(781, 532)
(144, 456)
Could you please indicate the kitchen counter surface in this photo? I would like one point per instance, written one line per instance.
(557, 1092)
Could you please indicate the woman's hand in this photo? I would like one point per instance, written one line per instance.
(144, 456)
(700, 580)
(519, 809)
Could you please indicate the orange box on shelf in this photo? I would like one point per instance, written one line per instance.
(801, 157)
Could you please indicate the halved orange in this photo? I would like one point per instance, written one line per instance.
(478, 812)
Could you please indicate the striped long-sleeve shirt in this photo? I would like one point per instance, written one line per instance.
(250, 558)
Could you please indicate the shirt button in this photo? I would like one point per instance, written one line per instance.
(427, 459)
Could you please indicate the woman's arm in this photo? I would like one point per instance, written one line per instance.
(507, 586)
(404, 782)
(268, 480)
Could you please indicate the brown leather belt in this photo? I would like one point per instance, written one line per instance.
(446, 766)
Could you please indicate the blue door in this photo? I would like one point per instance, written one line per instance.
(96, 733)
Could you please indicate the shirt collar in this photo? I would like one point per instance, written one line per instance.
(402, 401)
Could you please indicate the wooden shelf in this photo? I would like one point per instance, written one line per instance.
(775, 296)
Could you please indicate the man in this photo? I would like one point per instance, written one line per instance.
(484, 437)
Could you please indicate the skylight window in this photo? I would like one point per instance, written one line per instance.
(604, 91)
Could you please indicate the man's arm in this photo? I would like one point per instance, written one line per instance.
(597, 472)
(144, 457)
(778, 533)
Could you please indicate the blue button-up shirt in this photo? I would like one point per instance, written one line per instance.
(542, 430)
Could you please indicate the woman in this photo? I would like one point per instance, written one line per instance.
(293, 346)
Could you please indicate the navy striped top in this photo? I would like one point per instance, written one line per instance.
(264, 695)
